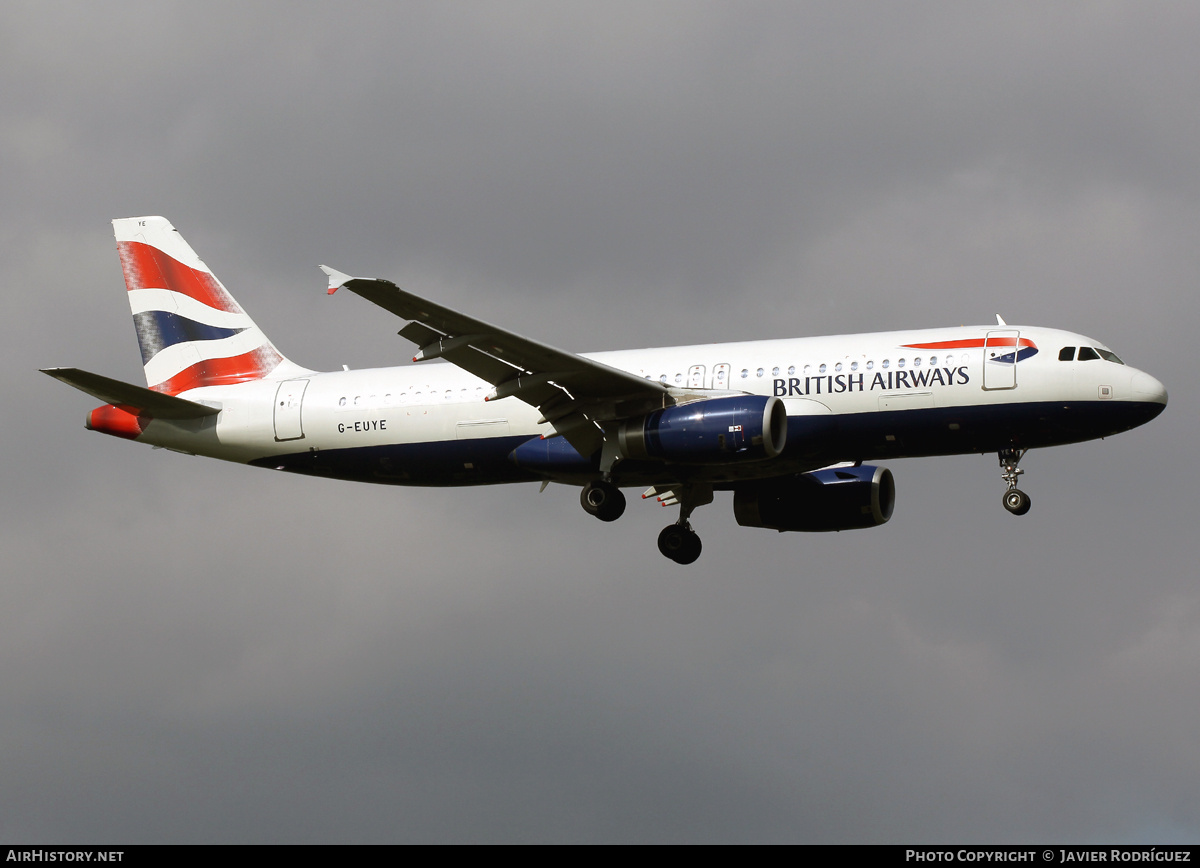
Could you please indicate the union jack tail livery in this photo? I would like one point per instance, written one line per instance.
(191, 331)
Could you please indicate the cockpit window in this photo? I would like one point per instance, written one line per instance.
(1109, 356)
(1087, 354)
(1066, 354)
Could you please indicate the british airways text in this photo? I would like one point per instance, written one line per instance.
(832, 384)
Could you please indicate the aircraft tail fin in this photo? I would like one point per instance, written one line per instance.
(191, 331)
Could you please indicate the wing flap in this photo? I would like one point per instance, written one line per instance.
(420, 334)
(482, 365)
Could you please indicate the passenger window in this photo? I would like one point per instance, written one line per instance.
(1087, 354)
(1066, 354)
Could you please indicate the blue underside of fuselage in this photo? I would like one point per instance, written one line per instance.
(812, 441)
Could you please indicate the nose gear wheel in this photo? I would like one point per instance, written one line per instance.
(1015, 500)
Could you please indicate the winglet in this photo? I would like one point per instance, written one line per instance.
(336, 278)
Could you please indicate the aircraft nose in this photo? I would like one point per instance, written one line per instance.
(1147, 388)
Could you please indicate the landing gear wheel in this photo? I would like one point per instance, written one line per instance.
(680, 543)
(1016, 501)
(603, 500)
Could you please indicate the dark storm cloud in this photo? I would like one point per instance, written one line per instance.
(197, 651)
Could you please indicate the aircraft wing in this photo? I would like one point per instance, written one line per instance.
(576, 395)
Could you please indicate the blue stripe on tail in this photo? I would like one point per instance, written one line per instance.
(158, 329)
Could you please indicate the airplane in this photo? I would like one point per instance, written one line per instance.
(786, 425)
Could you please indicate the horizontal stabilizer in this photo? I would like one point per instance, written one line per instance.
(112, 391)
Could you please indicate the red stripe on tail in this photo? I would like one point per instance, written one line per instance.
(253, 365)
(147, 267)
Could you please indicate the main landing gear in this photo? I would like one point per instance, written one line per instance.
(677, 541)
(603, 500)
(680, 543)
(1015, 500)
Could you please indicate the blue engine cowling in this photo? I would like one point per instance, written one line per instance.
(841, 498)
(716, 431)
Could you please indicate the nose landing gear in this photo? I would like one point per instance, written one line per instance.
(1015, 500)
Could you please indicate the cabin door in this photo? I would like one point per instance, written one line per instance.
(288, 399)
(1000, 349)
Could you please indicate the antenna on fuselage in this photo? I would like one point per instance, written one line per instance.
(1000, 320)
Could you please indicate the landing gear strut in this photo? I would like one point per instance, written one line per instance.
(678, 541)
(603, 500)
(1015, 500)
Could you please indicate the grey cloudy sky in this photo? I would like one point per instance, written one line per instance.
(196, 651)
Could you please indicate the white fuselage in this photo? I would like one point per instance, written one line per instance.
(866, 376)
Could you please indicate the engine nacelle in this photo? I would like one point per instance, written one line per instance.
(840, 498)
(716, 431)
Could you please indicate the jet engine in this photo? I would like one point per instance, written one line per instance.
(715, 431)
(841, 498)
